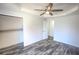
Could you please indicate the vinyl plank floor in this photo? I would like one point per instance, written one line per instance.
(45, 47)
(50, 47)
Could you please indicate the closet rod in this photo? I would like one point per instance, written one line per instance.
(10, 30)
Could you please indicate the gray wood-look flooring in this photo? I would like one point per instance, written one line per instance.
(45, 47)
(50, 47)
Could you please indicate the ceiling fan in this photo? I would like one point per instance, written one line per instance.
(49, 9)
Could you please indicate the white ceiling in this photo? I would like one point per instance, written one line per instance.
(67, 7)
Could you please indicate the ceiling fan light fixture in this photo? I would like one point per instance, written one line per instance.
(47, 12)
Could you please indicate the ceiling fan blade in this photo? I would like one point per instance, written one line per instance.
(39, 9)
(42, 14)
(50, 5)
(57, 10)
(51, 14)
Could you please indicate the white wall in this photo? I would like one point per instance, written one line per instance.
(66, 29)
(33, 28)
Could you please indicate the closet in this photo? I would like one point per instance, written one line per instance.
(11, 30)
